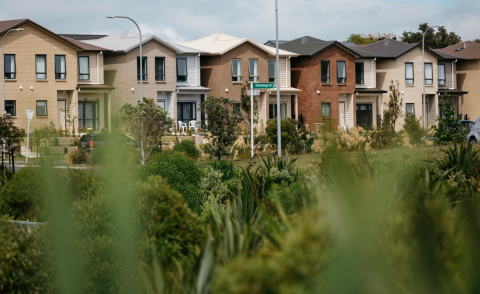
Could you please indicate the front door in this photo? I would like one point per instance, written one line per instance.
(186, 112)
(364, 115)
(61, 106)
(341, 118)
(88, 115)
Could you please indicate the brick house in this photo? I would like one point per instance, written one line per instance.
(231, 62)
(42, 73)
(402, 62)
(325, 71)
(171, 73)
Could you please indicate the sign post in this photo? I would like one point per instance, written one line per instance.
(253, 89)
(29, 115)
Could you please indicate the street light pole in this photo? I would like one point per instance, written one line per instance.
(279, 115)
(423, 62)
(141, 75)
(3, 80)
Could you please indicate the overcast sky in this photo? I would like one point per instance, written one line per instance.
(192, 19)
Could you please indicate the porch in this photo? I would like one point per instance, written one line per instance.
(267, 105)
(93, 108)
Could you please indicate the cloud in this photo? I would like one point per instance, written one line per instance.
(193, 19)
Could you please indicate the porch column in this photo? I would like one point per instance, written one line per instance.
(174, 101)
(109, 111)
(381, 106)
(296, 106)
(463, 110)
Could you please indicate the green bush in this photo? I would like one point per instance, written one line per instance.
(413, 129)
(180, 172)
(167, 224)
(78, 156)
(295, 136)
(226, 168)
(25, 260)
(187, 147)
(448, 129)
(214, 193)
(23, 196)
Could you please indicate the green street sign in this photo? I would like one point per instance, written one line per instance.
(263, 85)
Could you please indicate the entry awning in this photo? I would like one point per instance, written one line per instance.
(369, 91)
(285, 90)
(193, 89)
(451, 91)
(95, 87)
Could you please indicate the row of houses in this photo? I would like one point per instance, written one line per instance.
(85, 79)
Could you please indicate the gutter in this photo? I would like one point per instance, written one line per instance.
(98, 68)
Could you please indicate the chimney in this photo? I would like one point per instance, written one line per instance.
(387, 42)
(466, 44)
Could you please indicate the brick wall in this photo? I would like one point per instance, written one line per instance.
(306, 76)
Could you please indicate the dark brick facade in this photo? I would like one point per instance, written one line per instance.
(306, 76)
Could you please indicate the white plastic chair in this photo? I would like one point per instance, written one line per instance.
(192, 125)
(181, 127)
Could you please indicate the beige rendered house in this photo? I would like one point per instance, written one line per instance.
(44, 72)
(231, 62)
(171, 73)
(402, 62)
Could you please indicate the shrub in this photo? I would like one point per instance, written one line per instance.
(25, 260)
(81, 184)
(23, 197)
(167, 224)
(448, 129)
(413, 129)
(350, 140)
(78, 156)
(180, 172)
(295, 136)
(214, 193)
(188, 148)
(226, 168)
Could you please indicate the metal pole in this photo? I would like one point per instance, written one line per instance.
(424, 119)
(279, 116)
(28, 135)
(251, 117)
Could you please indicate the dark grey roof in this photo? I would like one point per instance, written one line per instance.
(309, 46)
(390, 48)
(273, 43)
(348, 44)
(369, 90)
(80, 37)
(445, 55)
(451, 91)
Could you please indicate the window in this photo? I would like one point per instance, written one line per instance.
(341, 72)
(410, 108)
(159, 68)
(60, 67)
(459, 49)
(236, 70)
(272, 71)
(186, 111)
(441, 74)
(144, 68)
(11, 107)
(325, 72)
(253, 70)
(83, 68)
(41, 67)
(359, 72)
(326, 110)
(428, 74)
(409, 73)
(272, 113)
(181, 69)
(364, 115)
(161, 104)
(10, 67)
(237, 108)
(88, 115)
(42, 108)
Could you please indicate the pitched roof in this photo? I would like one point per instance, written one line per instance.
(11, 24)
(274, 42)
(80, 37)
(466, 50)
(390, 48)
(219, 44)
(126, 41)
(309, 46)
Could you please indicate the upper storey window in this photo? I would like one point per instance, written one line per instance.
(236, 70)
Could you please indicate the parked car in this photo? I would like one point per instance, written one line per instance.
(92, 141)
(466, 124)
(474, 135)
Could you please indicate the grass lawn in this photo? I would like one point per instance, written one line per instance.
(406, 155)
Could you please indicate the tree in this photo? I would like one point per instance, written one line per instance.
(364, 39)
(12, 135)
(476, 40)
(440, 39)
(156, 122)
(222, 121)
(448, 129)
(246, 105)
(385, 136)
